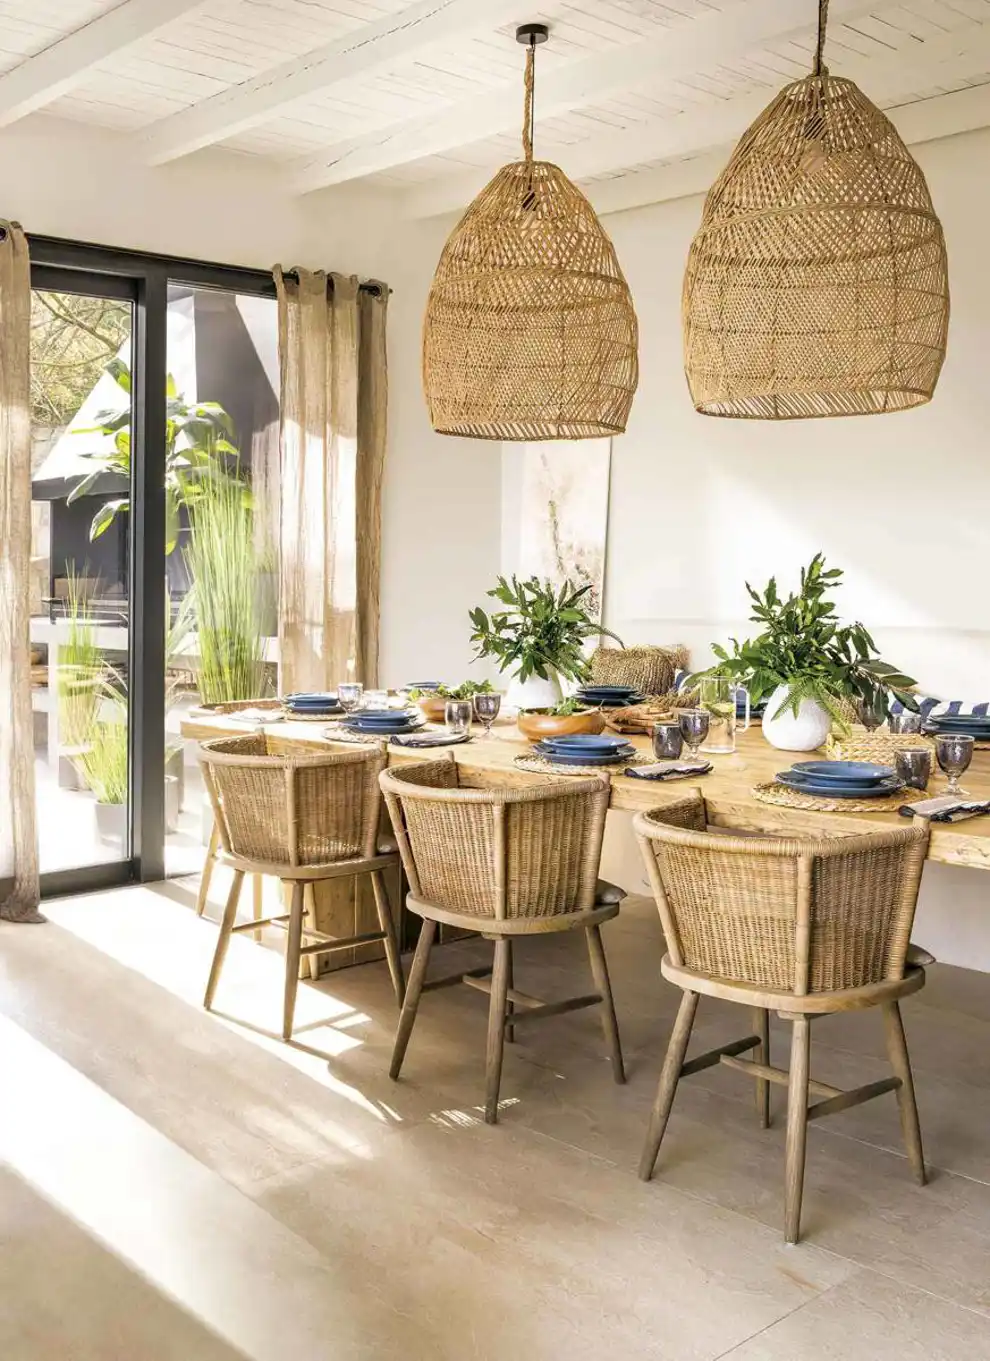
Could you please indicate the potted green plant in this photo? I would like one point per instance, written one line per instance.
(537, 637)
(807, 664)
(104, 767)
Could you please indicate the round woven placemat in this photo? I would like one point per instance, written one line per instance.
(291, 717)
(790, 798)
(541, 766)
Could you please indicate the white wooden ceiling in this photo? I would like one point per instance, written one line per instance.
(636, 99)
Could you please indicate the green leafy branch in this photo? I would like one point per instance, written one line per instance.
(540, 630)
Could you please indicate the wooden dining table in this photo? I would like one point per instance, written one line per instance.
(728, 790)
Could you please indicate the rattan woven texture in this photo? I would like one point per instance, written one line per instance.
(650, 668)
(530, 331)
(771, 792)
(734, 901)
(817, 284)
(539, 765)
(279, 803)
(493, 853)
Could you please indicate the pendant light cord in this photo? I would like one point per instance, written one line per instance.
(527, 136)
(820, 46)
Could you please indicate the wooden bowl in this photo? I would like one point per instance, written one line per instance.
(536, 725)
(432, 707)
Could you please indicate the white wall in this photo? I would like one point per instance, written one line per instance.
(901, 502)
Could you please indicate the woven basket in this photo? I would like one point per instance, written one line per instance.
(651, 669)
(878, 747)
(817, 284)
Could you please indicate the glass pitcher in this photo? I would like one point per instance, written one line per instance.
(718, 698)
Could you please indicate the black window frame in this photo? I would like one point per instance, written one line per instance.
(143, 279)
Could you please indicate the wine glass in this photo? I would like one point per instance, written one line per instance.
(870, 711)
(457, 715)
(486, 707)
(954, 751)
(694, 725)
(375, 699)
(905, 722)
(350, 693)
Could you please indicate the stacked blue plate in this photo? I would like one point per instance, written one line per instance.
(608, 696)
(315, 704)
(976, 726)
(582, 749)
(384, 722)
(842, 779)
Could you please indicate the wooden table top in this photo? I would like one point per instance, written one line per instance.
(727, 790)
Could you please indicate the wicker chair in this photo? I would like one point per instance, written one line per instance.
(504, 863)
(302, 816)
(800, 927)
(213, 848)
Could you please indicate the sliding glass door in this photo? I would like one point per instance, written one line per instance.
(155, 411)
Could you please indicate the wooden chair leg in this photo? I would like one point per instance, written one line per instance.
(599, 970)
(292, 956)
(496, 1030)
(226, 926)
(410, 1004)
(387, 923)
(669, 1075)
(897, 1052)
(258, 900)
(761, 1025)
(311, 966)
(797, 1126)
(510, 1030)
(208, 865)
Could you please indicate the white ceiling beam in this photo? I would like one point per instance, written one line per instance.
(362, 53)
(926, 120)
(715, 37)
(53, 72)
(697, 131)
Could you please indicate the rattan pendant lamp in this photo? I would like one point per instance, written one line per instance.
(530, 332)
(817, 284)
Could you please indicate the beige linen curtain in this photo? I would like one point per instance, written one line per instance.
(334, 394)
(19, 890)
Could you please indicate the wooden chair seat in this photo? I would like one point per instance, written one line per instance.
(502, 863)
(802, 927)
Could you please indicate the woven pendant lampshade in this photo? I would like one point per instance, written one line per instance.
(817, 284)
(530, 332)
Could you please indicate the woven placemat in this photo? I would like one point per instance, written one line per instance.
(291, 717)
(541, 766)
(772, 792)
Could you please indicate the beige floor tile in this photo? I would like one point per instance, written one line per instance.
(539, 1237)
(875, 1319)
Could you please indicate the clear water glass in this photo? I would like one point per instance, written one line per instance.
(667, 741)
(486, 707)
(349, 693)
(694, 725)
(457, 716)
(954, 751)
(375, 699)
(906, 721)
(914, 766)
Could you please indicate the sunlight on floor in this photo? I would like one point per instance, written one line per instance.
(163, 940)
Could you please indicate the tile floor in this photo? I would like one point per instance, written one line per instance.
(182, 1187)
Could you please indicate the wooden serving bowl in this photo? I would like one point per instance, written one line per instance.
(535, 725)
(432, 707)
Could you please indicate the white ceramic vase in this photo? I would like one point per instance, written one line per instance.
(804, 731)
(534, 693)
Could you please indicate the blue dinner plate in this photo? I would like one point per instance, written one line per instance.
(830, 790)
(584, 740)
(311, 697)
(843, 772)
(562, 759)
(569, 749)
(392, 723)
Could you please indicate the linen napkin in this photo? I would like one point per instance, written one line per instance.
(430, 739)
(256, 717)
(946, 808)
(668, 770)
